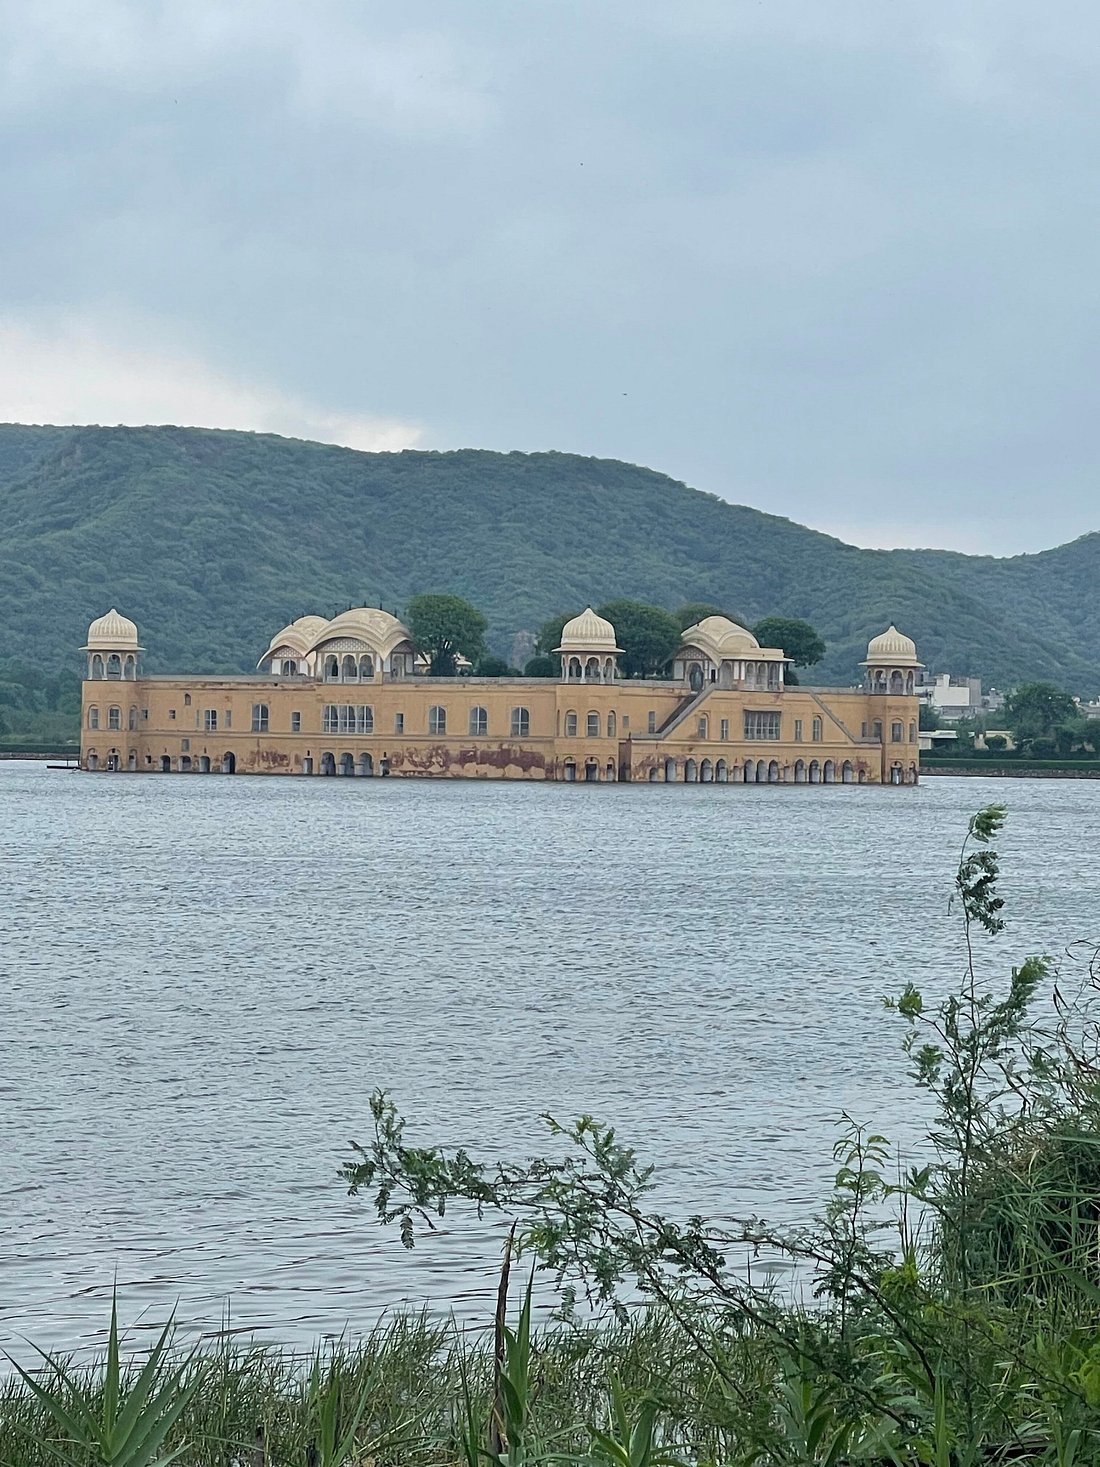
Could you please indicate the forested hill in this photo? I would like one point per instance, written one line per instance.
(212, 540)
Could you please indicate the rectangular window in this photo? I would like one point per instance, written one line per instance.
(296, 723)
(479, 722)
(93, 717)
(172, 714)
(437, 721)
(896, 733)
(114, 718)
(364, 720)
(762, 725)
(346, 718)
(626, 723)
(724, 729)
(260, 718)
(521, 723)
(863, 730)
(816, 731)
(330, 721)
(228, 718)
(145, 715)
(185, 745)
(651, 723)
(876, 729)
(210, 720)
(593, 725)
(570, 725)
(399, 723)
(703, 727)
(798, 730)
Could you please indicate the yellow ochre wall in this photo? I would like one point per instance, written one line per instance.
(167, 713)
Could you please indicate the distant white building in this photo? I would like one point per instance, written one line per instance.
(953, 698)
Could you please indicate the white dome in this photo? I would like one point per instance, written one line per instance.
(894, 647)
(588, 633)
(110, 632)
(299, 634)
(721, 638)
(378, 629)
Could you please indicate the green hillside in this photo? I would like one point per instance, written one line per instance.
(212, 540)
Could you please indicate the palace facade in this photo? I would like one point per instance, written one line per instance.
(348, 696)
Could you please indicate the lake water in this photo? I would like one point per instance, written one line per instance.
(203, 979)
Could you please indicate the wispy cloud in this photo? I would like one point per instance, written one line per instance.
(75, 373)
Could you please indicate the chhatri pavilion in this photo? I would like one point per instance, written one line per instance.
(350, 696)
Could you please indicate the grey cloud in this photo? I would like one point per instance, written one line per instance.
(832, 260)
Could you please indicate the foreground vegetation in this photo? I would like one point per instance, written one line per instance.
(941, 1316)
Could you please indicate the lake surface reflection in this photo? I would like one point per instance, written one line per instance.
(204, 978)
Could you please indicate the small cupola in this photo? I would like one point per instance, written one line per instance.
(112, 647)
(588, 650)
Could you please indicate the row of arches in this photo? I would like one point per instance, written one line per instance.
(114, 667)
(895, 682)
(590, 772)
(347, 669)
(756, 771)
(590, 670)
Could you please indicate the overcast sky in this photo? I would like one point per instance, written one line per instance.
(837, 259)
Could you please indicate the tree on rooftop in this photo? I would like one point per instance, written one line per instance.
(797, 638)
(445, 628)
(648, 636)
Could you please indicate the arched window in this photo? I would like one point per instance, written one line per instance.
(97, 666)
(93, 717)
(349, 669)
(332, 668)
(114, 717)
(800, 771)
(437, 720)
(593, 726)
(570, 725)
(290, 666)
(114, 666)
(366, 667)
(706, 772)
(897, 733)
(132, 722)
(521, 723)
(570, 771)
(828, 772)
(574, 671)
(670, 771)
(364, 719)
(130, 670)
(261, 716)
(611, 725)
(689, 771)
(479, 722)
(592, 670)
(909, 682)
(187, 700)
(897, 683)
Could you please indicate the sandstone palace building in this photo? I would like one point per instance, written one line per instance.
(348, 697)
